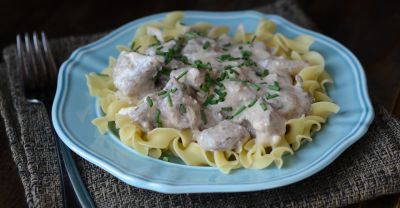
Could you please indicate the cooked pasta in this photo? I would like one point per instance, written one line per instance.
(192, 145)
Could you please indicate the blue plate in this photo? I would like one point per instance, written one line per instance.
(73, 110)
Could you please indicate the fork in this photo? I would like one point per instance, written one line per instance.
(36, 64)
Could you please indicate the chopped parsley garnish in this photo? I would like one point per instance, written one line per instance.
(220, 93)
(252, 40)
(206, 45)
(227, 109)
(169, 99)
(251, 104)
(241, 109)
(149, 101)
(271, 96)
(246, 54)
(157, 118)
(240, 47)
(156, 43)
(210, 101)
(133, 47)
(203, 116)
(173, 90)
(101, 75)
(182, 108)
(221, 77)
(230, 69)
(253, 85)
(167, 94)
(247, 60)
(184, 60)
(204, 87)
(182, 74)
(172, 53)
(164, 71)
(207, 84)
(200, 65)
(225, 47)
(162, 93)
(264, 106)
(226, 57)
(190, 35)
(137, 48)
(166, 159)
(263, 73)
(248, 63)
(275, 86)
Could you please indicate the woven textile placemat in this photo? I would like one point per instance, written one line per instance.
(368, 169)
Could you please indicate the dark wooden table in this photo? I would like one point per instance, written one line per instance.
(369, 28)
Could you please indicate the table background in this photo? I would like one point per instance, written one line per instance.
(369, 28)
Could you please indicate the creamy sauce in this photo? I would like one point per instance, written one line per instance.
(224, 92)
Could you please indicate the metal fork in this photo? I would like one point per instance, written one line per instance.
(36, 64)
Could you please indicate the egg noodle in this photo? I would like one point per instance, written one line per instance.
(159, 141)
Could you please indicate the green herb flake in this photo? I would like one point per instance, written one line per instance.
(149, 101)
(184, 60)
(225, 47)
(271, 96)
(101, 75)
(203, 116)
(157, 118)
(208, 81)
(226, 57)
(134, 47)
(254, 86)
(220, 93)
(200, 65)
(204, 87)
(206, 45)
(251, 104)
(158, 42)
(137, 48)
(182, 108)
(221, 77)
(246, 54)
(169, 100)
(164, 71)
(173, 90)
(210, 100)
(252, 40)
(162, 93)
(190, 35)
(264, 73)
(275, 86)
(182, 74)
(239, 111)
(227, 109)
(166, 159)
(264, 106)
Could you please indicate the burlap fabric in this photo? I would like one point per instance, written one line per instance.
(368, 169)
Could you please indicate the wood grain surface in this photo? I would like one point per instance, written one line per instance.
(369, 28)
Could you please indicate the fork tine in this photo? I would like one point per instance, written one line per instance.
(22, 63)
(42, 70)
(50, 60)
(31, 61)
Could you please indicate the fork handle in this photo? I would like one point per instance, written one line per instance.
(73, 176)
(72, 185)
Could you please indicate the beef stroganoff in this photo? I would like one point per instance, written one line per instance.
(211, 99)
